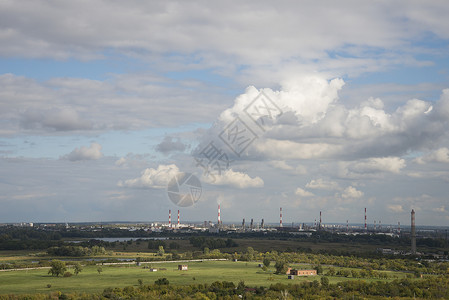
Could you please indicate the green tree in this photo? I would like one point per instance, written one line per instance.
(319, 269)
(281, 266)
(331, 271)
(206, 251)
(161, 251)
(249, 254)
(240, 287)
(324, 282)
(266, 262)
(77, 268)
(57, 268)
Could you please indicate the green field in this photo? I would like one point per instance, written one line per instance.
(36, 281)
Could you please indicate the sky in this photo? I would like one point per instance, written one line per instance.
(331, 106)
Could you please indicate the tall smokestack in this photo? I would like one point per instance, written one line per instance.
(243, 224)
(320, 219)
(178, 217)
(252, 223)
(380, 225)
(374, 225)
(262, 224)
(413, 232)
(399, 228)
(280, 217)
(169, 218)
(219, 220)
(347, 225)
(365, 221)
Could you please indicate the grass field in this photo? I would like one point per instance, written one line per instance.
(36, 281)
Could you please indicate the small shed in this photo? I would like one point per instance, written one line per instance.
(183, 267)
(260, 265)
(290, 276)
(153, 270)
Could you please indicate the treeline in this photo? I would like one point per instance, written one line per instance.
(155, 244)
(14, 233)
(76, 251)
(428, 288)
(211, 243)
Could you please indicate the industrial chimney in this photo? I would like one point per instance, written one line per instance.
(413, 230)
(280, 217)
(169, 218)
(320, 220)
(366, 228)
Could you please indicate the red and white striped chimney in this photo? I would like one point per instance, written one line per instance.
(169, 218)
(219, 220)
(280, 217)
(178, 217)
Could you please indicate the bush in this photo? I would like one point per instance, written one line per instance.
(162, 281)
(67, 274)
(49, 285)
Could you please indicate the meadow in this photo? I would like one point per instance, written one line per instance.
(90, 280)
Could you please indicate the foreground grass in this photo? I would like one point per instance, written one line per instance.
(89, 280)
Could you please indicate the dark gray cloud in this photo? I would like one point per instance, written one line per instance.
(170, 144)
(58, 119)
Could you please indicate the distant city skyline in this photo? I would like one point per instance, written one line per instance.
(325, 106)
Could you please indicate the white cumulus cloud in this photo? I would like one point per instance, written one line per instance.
(440, 155)
(395, 208)
(378, 164)
(152, 178)
(321, 184)
(303, 193)
(85, 153)
(351, 193)
(235, 179)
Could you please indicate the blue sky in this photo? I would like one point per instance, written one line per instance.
(99, 111)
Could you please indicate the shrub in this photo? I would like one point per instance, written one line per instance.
(162, 281)
(67, 274)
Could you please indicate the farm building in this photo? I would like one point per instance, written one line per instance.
(153, 270)
(183, 267)
(291, 271)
